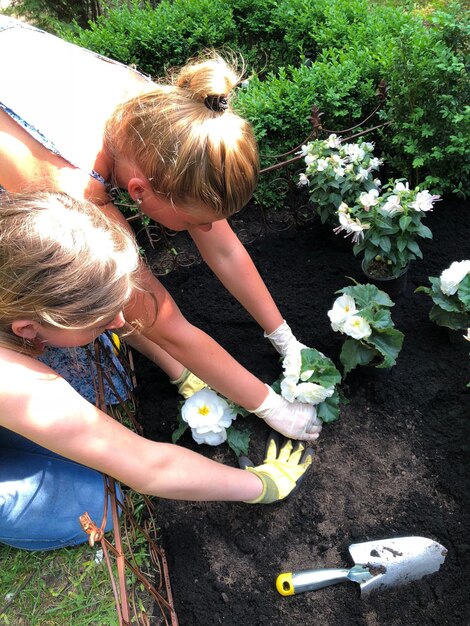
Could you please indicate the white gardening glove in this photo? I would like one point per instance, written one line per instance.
(294, 420)
(283, 340)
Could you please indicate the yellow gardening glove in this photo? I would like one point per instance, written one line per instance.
(282, 471)
(188, 384)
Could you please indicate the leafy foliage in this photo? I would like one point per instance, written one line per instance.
(450, 310)
(382, 346)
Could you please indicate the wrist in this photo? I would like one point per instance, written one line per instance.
(269, 493)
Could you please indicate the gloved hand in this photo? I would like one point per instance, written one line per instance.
(283, 339)
(282, 471)
(292, 419)
(188, 383)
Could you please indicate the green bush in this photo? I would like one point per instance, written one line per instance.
(154, 39)
(329, 53)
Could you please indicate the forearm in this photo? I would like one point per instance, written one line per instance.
(181, 474)
(192, 347)
(152, 351)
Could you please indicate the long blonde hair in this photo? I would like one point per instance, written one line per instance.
(62, 263)
(186, 139)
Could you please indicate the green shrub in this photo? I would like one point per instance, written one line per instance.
(154, 39)
(329, 53)
(429, 91)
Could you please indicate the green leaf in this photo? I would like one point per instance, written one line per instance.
(456, 321)
(323, 368)
(413, 247)
(378, 319)
(328, 410)
(388, 342)
(463, 292)
(405, 221)
(355, 353)
(179, 431)
(238, 439)
(365, 295)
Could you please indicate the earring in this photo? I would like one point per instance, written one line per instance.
(138, 201)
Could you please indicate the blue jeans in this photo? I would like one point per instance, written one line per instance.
(42, 494)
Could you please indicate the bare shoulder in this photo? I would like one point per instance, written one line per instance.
(32, 394)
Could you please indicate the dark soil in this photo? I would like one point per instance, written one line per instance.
(396, 463)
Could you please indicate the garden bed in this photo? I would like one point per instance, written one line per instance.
(396, 463)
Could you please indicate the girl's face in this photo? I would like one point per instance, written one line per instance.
(178, 217)
(65, 338)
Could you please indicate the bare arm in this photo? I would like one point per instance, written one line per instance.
(229, 260)
(33, 401)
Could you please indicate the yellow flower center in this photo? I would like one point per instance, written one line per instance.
(203, 410)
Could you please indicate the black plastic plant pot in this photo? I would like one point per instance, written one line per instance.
(394, 286)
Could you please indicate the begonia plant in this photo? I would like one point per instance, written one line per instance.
(210, 417)
(337, 172)
(386, 226)
(362, 313)
(311, 377)
(450, 293)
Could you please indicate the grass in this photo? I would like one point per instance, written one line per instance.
(55, 588)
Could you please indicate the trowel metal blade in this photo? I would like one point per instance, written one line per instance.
(397, 561)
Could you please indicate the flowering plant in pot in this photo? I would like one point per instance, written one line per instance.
(311, 377)
(362, 313)
(450, 293)
(386, 226)
(337, 172)
(210, 417)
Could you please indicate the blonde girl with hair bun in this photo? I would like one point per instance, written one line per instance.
(66, 272)
(186, 159)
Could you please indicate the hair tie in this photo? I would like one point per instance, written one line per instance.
(218, 104)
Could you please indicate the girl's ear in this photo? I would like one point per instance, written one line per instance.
(27, 329)
(136, 188)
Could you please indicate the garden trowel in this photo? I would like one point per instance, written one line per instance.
(382, 563)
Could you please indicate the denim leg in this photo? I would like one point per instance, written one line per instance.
(43, 494)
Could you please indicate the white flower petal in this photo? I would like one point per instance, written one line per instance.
(312, 393)
(453, 276)
(357, 327)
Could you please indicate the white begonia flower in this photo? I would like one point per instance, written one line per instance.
(339, 172)
(312, 393)
(288, 387)
(351, 226)
(333, 141)
(357, 327)
(336, 160)
(452, 277)
(392, 205)
(369, 199)
(363, 174)
(292, 363)
(367, 145)
(424, 201)
(208, 415)
(342, 308)
(349, 168)
(310, 159)
(401, 187)
(211, 438)
(303, 180)
(355, 153)
(322, 164)
(306, 375)
(375, 163)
